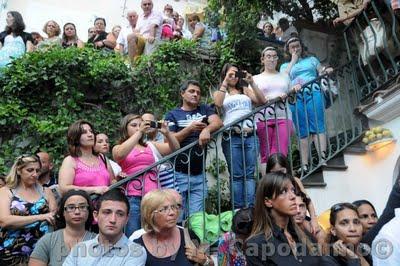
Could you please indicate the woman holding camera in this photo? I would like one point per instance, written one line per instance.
(134, 153)
(239, 143)
(27, 211)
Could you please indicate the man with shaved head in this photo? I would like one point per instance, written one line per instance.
(46, 177)
(148, 29)
(122, 41)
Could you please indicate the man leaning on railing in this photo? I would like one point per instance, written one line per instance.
(192, 121)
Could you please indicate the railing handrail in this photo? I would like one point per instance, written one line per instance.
(222, 129)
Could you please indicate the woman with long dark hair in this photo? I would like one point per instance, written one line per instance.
(14, 42)
(74, 217)
(69, 36)
(274, 226)
(367, 213)
(84, 168)
(279, 163)
(309, 109)
(239, 142)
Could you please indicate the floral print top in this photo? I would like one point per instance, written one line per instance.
(21, 242)
(229, 252)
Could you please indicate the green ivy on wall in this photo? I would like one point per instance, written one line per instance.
(42, 93)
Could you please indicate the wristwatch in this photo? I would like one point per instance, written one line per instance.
(208, 261)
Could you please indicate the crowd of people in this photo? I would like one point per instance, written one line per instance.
(143, 33)
(73, 217)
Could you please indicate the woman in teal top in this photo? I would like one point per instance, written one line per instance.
(309, 109)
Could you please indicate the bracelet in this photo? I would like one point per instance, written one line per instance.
(222, 91)
(208, 261)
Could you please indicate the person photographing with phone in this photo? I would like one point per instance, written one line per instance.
(236, 100)
(134, 153)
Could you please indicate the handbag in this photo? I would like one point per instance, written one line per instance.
(166, 175)
(372, 40)
(329, 89)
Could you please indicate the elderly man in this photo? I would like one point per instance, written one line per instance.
(148, 29)
(122, 41)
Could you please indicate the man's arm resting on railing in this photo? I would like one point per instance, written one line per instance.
(352, 14)
(214, 123)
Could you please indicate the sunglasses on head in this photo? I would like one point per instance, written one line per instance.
(20, 159)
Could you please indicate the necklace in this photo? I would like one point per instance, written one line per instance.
(70, 243)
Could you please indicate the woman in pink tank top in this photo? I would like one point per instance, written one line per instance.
(134, 154)
(83, 168)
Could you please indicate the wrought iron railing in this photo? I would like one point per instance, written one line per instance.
(341, 129)
(372, 42)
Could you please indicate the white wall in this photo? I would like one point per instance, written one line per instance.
(83, 12)
(368, 176)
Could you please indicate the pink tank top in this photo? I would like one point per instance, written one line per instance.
(135, 161)
(91, 176)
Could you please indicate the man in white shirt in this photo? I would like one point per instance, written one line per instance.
(386, 245)
(149, 25)
(122, 41)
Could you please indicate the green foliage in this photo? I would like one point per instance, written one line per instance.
(216, 167)
(240, 19)
(157, 77)
(43, 92)
(218, 199)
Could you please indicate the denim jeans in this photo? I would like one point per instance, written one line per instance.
(134, 222)
(241, 156)
(193, 193)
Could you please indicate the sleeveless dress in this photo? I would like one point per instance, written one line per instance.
(179, 258)
(16, 245)
(91, 176)
(14, 47)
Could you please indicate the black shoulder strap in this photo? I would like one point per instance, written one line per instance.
(104, 159)
(2, 37)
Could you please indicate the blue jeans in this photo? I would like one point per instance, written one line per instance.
(241, 157)
(193, 189)
(134, 222)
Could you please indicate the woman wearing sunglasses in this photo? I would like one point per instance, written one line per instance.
(74, 218)
(26, 211)
(344, 240)
(165, 243)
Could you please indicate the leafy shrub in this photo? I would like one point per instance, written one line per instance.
(43, 92)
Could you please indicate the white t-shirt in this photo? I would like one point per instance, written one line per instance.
(272, 86)
(144, 24)
(236, 106)
(123, 37)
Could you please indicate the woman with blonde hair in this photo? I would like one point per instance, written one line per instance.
(135, 153)
(53, 31)
(27, 211)
(164, 241)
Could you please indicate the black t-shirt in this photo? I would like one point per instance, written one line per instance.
(100, 37)
(276, 250)
(24, 35)
(177, 259)
(179, 119)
